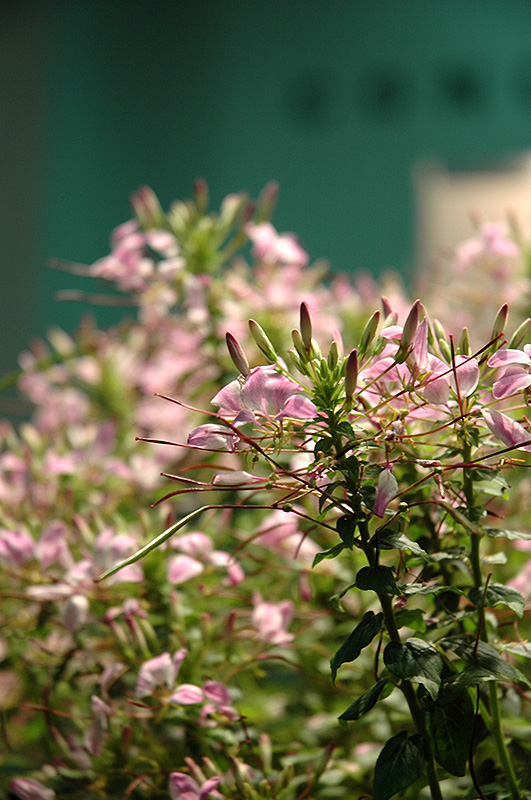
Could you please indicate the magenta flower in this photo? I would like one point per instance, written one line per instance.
(507, 430)
(516, 375)
(387, 488)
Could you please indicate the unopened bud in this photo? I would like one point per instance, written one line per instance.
(76, 612)
(351, 374)
(306, 327)
(408, 332)
(201, 195)
(464, 343)
(500, 321)
(238, 356)
(147, 208)
(267, 201)
(369, 333)
(261, 339)
(333, 355)
(386, 306)
(521, 334)
(299, 344)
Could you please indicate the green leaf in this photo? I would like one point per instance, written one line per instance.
(345, 526)
(401, 762)
(380, 579)
(388, 538)
(411, 618)
(427, 588)
(451, 724)
(503, 533)
(417, 661)
(332, 552)
(498, 594)
(365, 702)
(361, 636)
(485, 663)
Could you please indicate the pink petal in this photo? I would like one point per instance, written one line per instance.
(513, 380)
(387, 488)
(183, 568)
(187, 695)
(298, 407)
(507, 430)
(504, 357)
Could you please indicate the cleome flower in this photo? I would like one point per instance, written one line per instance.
(266, 394)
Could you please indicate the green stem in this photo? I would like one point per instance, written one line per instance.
(417, 714)
(494, 701)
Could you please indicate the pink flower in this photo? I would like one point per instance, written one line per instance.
(16, 547)
(187, 694)
(265, 393)
(516, 375)
(213, 437)
(182, 787)
(30, 789)
(271, 620)
(183, 568)
(507, 430)
(271, 248)
(387, 488)
(157, 671)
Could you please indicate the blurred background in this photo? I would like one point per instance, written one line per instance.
(369, 114)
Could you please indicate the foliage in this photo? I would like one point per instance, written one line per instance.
(346, 613)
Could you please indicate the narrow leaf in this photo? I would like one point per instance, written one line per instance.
(365, 702)
(401, 762)
(361, 636)
(332, 552)
(416, 661)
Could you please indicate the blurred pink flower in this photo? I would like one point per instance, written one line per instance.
(157, 671)
(271, 620)
(183, 787)
(271, 247)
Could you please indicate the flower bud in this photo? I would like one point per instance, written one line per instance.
(306, 327)
(299, 344)
(351, 374)
(520, 334)
(369, 333)
(76, 612)
(464, 343)
(408, 332)
(333, 355)
(261, 339)
(500, 321)
(147, 208)
(201, 195)
(238, 356)
(267, 201)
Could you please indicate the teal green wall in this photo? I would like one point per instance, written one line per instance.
(336, 100)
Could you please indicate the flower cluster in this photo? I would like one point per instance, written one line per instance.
(347, 612)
